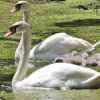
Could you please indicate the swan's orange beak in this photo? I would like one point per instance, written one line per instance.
(10, 33)
(7, 34)
(15, 9)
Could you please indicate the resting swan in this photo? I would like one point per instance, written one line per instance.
(93, 60)
(73, 59)
(53, 76)
(57, 45)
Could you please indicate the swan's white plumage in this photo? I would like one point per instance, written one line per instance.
(59, 75)
(56, 76)
(59, 44)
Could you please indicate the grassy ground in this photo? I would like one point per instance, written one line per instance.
(46, 19)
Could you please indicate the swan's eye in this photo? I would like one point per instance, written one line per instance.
(18, 6)
(13, 27)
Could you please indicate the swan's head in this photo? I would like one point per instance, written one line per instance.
(21, 5)
(20, 26)
(85, 55)
(74, 53)
(59, 60)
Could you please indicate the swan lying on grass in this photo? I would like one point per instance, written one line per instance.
(73, 59)
(54, 76)
(57, 45)
(93, 60)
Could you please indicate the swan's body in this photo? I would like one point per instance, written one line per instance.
(54, 46)
(73, 59)
(93, 60)
(96, 56)
(56, 76)
(61, 76)
(58, 45)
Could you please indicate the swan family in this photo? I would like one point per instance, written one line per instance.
(53, 76)
(73, 59)
(85, 60)
(57, 45)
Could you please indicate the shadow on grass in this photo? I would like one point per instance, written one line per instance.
(12, 1)
(78, 23)
(6, 77)
(8, 61)
(88, 6)
(9, 39)
(34, 41)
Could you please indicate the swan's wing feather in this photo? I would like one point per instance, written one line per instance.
(59, 72)
(49, 42)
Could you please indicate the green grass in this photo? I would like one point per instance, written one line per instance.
(6, 96)
(46, 20)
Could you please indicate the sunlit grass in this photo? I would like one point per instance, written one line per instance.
(6, 96)
(46, 19)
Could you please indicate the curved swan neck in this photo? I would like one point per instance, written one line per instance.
(19, 48)
(22, 66)
(26, 16)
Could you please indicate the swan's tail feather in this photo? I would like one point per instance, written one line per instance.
(87, 50)
(97, 43)
(93, 47)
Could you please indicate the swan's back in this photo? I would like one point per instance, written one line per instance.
(56, 75)
(56, 45)
(79, 41)
(65, 67)
(61, 69)
(61, 41)
(49, 42)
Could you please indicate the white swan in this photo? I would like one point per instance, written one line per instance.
(53, 76)
(57, 45)
(93, 60)
(77, 60)
(26, 18)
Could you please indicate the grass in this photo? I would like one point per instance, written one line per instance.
(46, 20)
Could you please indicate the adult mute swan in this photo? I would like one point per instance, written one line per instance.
(57, 45)
(53, 76)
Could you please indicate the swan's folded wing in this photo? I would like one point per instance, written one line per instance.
(49, 42)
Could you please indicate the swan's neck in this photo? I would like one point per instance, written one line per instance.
(19, 49)
(22, 66)
(26, 16)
